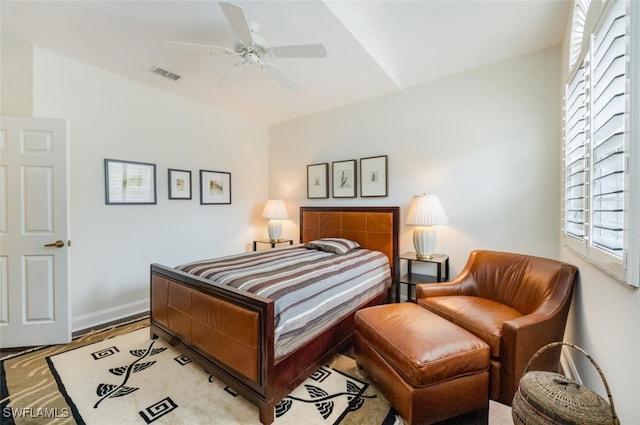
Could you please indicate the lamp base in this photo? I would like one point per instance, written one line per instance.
(275, 229)
(424, 241)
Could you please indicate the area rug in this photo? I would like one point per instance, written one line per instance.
(117, 375)
(120, 376)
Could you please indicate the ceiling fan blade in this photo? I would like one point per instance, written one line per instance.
(238, 22)
(300, 51)
(198, 47)
(228, 72)
(280, 77)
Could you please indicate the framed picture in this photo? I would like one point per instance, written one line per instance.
(318, 181)
(373, 176)
(215, 187)
(344, 179)
(129, 182)
(179, 184)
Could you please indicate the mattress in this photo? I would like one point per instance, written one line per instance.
(312, 289)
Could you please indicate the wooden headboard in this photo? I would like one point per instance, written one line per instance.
(374, 228)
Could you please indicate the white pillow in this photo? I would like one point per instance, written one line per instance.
(334, 245)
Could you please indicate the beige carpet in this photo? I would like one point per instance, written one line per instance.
(118, 375)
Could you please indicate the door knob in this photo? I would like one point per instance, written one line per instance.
(56, 244)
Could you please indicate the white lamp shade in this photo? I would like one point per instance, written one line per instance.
(425, 211)
(275, 208)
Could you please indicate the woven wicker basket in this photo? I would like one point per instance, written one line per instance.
(545, 398)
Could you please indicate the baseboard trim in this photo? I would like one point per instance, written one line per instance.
(101, 317)
(568, 366)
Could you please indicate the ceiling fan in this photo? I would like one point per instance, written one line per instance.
(253, 49)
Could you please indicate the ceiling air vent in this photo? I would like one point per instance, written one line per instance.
(164, 73)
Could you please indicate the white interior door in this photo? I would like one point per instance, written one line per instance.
(34, 244)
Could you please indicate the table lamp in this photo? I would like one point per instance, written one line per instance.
(275, 210)
(425, 211)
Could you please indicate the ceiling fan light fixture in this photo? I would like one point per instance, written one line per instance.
(252, 58)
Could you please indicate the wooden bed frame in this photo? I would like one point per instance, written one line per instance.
(231, 333)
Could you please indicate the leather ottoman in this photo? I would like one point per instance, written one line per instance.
(428, 368)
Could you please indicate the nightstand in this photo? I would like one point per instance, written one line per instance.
(273, 243)
(410, 279)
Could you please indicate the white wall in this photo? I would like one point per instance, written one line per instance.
(113, 246)
(16, 77)
(604, 320)
(486, 142)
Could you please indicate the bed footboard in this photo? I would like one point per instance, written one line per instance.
(228, 332)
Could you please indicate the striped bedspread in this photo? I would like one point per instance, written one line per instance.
(311, 289)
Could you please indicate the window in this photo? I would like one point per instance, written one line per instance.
(600, 166)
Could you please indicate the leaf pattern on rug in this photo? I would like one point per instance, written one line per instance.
(315, 392)
(323, 400)
(143, 352)
(352, 387)
(283, 406)
(118, 371)
(119, 390)
(142, 366)
(356, 402)
(325, 407)
(105, 391)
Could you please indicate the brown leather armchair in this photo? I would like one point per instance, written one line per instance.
(515, 303)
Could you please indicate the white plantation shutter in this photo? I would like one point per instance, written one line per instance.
(609, 62)
(575, 156)
(597, 145)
